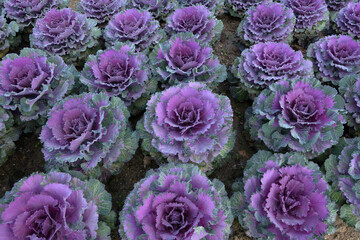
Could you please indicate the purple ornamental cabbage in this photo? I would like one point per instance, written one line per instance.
(133, 26)
(266, 63)
(33, 82)
(88, 132)
(56, 206)
(349, 87)
(65, 33)
(301, 115)
(176, 202)
(120, 72)
(188, 123)
(101, 10)
(158, 8)
(335, 57)
(197, 20)
(312, 16)
(8, 134)
(343, 170)
(348, 20)
(237, 8)
(283, 196)
(336, 5)
(7, 35)
(214, 6)
(183, 58)
(26, 12)
(268, 22)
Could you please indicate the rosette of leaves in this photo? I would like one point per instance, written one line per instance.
(32, 82)
(188, 123)
(349, 88)
(335, 57)
(237, 8)
(266, 63)
(100, 10)
(197, 20)
(176, 202)
(267, 22)
(312, 17)
(214, 6)
(88, 133)
(65, 33)
(8, 134)
(283, 196)
(183, 59)
(25, 13)
(158, 8)
(133, 26)
(120, 72)
(7, 35)
(348, 20)
(300, 115)
(56, 206)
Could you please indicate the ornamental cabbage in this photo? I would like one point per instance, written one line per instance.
(336, 5)
(135, 27)
(197, 20)
(101, 10)
(348, 20)
(33, 82)
(176, 202)
(213, 5)
(56, 206)
(302, 115)
(65, 33)
(7, 35)
(158, 8)
(312, 16)
(343, 170)
(237, 8)
(268, 22)
(266, 63)
(283, 196)
(188, 123)
(183, 58)
(120, 72)
(8, 134)
(90, 133)
(26, 12)
(349, 87)
(335, 57)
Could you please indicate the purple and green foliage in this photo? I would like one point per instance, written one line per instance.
(348, 20)
(188, 123)
(7, 35)
(89, 133)
(65, 33)
(336, 5)
(176, 202)
(214, 6)
(158, 8)
(8, 134)
(300, 115)
(56, 206)
(283, 196)
(237, 8)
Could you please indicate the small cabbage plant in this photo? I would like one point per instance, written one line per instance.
(265, 63)
(301, 115)
(33, 82)
(349, 88)
(8, 134)
(343, 170)
(56, 206)
(188, 123)
(120, 72)
(88, 133)
(7, 35)
(283, 196)
(157, 8)
(213, 5)
(26, 12)
(176, 202)
(267, 22)
(184, 58)
(197, 20)
(237, 8)
(348, 20)
(101, 10)
(65, 33)
(133, 26)
(335, 57)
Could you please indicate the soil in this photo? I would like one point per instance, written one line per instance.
(28, 157)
